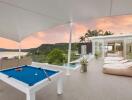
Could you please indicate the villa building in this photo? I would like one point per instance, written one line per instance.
(113, 45)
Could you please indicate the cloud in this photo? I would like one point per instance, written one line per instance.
(116, 24)
(5, 43)
(31, 42)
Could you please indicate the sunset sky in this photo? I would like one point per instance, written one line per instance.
(117, 25)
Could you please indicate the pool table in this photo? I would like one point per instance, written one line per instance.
(30, 79)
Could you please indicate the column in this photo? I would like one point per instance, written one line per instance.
(98, 50)
(83, 50)
(124, 48)
(93, 47)
(30, 96)
(60, 86)
(114, 46)
(103, 49)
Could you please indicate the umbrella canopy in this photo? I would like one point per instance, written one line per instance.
(20, 18)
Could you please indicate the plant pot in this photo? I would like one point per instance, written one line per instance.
(96, 57)
(83, 68)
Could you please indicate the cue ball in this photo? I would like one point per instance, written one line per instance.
(36, 74)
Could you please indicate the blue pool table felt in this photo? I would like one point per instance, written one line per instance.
(29, 75)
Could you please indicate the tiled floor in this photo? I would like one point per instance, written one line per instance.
(93, 85)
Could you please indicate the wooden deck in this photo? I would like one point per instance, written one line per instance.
(93, 85)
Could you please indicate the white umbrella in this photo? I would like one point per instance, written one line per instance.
(20, 18)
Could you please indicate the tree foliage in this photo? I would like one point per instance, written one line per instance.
(40, 54)
(91, 33)
(56, 57)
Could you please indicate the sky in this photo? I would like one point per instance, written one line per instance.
(116, 24)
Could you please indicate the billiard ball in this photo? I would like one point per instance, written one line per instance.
(35, 74)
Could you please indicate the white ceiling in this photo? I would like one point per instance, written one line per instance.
(20, 18)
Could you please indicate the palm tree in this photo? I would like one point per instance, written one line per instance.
(82, 39)
(100, 32)
(87, 35)
(108, 33)
(91, 33)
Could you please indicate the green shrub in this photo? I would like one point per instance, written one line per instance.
(129, 56)
(56, 56)
(97, 54)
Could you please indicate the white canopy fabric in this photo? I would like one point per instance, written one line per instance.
(20, 18)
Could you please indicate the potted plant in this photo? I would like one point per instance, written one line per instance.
(84, 64)
(96, 55)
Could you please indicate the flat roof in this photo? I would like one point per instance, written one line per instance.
(120, 36)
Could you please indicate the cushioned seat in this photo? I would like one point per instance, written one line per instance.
(118, 69)
(115, 62)
(113, 58)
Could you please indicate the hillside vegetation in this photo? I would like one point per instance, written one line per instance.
(53, 53)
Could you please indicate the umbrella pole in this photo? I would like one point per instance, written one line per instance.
(19, 53)
(69, 51)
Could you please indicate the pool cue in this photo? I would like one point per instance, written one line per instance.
(47, 75)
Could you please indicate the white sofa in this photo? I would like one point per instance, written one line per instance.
(124, 69)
